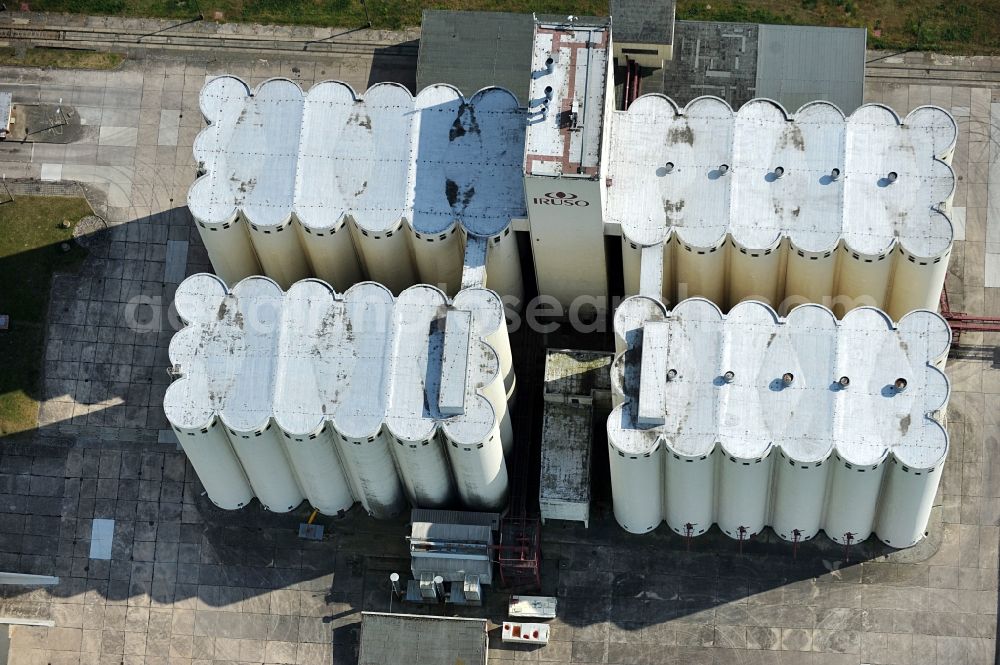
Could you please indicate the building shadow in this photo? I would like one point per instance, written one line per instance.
(395, 64)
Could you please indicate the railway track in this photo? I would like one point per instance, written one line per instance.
(934, 74)
(164, 39)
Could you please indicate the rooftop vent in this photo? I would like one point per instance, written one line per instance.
(844, 381)
(729, 376)
(787, 378)
(899, 385)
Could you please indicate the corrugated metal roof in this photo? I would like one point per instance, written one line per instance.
(800, 64)
(491, 520)
(643, 21)
(391, 639)
(473, 50)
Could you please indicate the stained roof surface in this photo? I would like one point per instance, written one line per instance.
(311, 355)
(695, 408)
(433, 159)
(704, 172)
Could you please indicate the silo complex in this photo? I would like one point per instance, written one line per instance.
(337, 398)
(812, 207)
(801, 423)
(384, 187)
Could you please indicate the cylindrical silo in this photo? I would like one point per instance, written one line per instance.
(631, 266)
(689, 492)
(217, 466)
(637, 488)
(263, 458)
(850, 508)
(503, 268)
(799, 497)
(863, 280)
(500, 341)
(439, 257)
(754, 273)
(229, 249)
(480, 471)
(281, 255)
(916, 283)
(906, 503)
(370, 465)
(496, 393)
(386, 257)
(809, 278)
(743, 492)
(317, 467)
(331, 254)
(701, 271)
(424, 469)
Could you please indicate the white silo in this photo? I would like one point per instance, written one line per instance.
(634, 446)
(262, 455)
(503, 267)
(282, 257)
(370, 466)
(744, 484)
(810, 276)
(919, 443)
(755, 273)
(317, 467)
(689, 492)
(799, 497)
(863, 279)
(210, 453)
(227, 356)
(852, 502)
(824, 401)
(906, 503)
(424, 471)
(331, 253)
(917, 281)
(229, 247)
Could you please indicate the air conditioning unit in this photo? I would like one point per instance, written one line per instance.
(473, 591)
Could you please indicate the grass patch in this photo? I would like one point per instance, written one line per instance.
(61, 58)
(391, 14)
(949, 26)
(30, 239)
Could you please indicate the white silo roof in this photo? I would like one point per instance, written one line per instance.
(311, 355)
(694, 198)
(433, 159)
(693, 410)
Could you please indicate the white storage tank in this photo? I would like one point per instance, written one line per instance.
(322, 394)
(782, 192)
(805, 410)
(298, 165)
(212, 457)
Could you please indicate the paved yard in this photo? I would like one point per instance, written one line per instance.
(186, 583)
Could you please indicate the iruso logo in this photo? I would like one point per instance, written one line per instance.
(561, 199)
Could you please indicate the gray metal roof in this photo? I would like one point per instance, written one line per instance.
(799, 64)
(643, 21)
(391, 639)
(473, 50)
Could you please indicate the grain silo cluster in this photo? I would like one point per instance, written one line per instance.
(800, 423)
(346, 188)
(812, 207)
(826, 419)
(337, 398)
